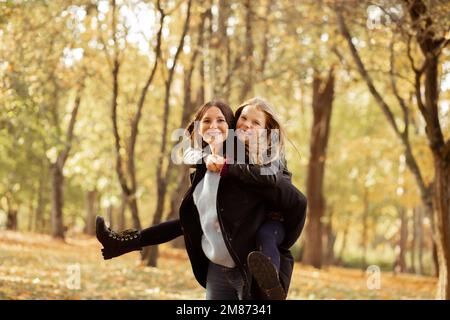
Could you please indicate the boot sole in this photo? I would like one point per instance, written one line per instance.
(266, 275)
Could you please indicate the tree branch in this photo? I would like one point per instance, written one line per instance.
(409, 156)
(167, 96)
(400, 100)
(62, 157)
(115, 75)
(140, 105)
(363, 72)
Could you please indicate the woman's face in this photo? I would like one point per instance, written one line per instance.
(250, 123)
(213, 126)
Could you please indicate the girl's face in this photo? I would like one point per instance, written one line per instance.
(250, 123)
(213, 126)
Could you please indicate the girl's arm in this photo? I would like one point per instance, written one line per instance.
(291, 203)
(263, 175)
(161, 233)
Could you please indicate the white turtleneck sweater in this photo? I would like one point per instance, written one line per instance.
(205, 198)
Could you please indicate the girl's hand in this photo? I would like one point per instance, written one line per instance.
(215, 163)
(210, 164)
(219, 162)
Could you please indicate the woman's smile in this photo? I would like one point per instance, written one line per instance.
(213, 126)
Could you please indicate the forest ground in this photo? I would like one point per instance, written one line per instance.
(34, 266)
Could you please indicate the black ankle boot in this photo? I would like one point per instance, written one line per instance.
(116, 243)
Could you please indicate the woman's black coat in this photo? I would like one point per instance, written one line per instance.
(241, 210)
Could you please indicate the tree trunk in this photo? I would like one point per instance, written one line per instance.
(420, 239)
(39, 216)
(151, 252)
(91, 210)
(248, 68)
(110, 217)
(188, 111)
(11, 221)
(365, 220)
(132, 204)
(442, 200)
(175, 202)
(427, 97)
(56, 169)
(41, 201)
(329, 258)
(322, 105)
(30, 215)
(11, 214)
(57, 202)
(121, 221)
(431, 48)
(340, 258)
(415, 233)
(434, 257)
(162, 178)
(401, 259)
(130, 191)
(219, 44)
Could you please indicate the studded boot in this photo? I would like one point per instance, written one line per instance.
(116, 243)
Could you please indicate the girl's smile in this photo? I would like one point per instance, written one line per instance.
(251, 123)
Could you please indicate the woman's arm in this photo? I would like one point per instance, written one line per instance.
(161, 233)
(193, 156)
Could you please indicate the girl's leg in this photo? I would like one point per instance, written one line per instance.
(223, 283)
(269, 237)
(265, 263)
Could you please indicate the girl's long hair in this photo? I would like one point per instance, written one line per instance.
(276, 150)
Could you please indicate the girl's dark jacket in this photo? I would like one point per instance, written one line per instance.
(241, 210)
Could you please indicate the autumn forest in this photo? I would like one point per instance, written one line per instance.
(91, 92)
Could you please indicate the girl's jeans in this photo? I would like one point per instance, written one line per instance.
(269, 237)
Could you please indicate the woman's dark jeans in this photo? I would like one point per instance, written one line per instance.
(223, 283)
